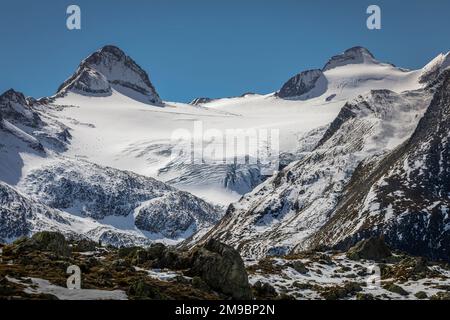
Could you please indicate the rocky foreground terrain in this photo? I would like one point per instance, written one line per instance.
(36, 268)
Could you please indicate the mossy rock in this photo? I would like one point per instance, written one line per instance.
(48, 241)
(139, 257)
(364, 296)
(285, 297)
(198, 283)
(370, 249)
(343, 269)
(338, 292)
(85, 245)
(396, 289)
(352, 287)
(222, 268)
(303, 286)
(264, 290)
(299, 267)
(141, 290)
(121, 265)
(441, 296)
(334, 293)
(5, 287)
(156, 251)
(173, 259)
(127, 252)
(421, 295)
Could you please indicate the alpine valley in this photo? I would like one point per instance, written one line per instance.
(364, 176)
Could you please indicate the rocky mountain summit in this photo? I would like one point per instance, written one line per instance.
(107, 69)
(355, 55)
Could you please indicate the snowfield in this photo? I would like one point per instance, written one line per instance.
(102, 151)
(123, 133)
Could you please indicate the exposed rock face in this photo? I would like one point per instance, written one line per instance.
(303, 84)
(264, 290)
(107, 69)
(88, 81)
(370, 249)
(14, 212)
(174, 213)
(213, 265)
(20, 216)
(200, 101)
(21, 118)
(355, 55)
(15, 108)
(288, 209)
(405, 195)
(222, 268)
(99, 192)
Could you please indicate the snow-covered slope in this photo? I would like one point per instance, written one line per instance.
(44, 191)
(366, 176)
(433, 69)
(122, 199)
(291, 206)
(26, 132)
(141, 140)
(21, 216)
(116, 135)
(406, 195)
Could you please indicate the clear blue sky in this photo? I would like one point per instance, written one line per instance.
(211, 48)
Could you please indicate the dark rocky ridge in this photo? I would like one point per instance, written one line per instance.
(302, 83)
(419, 171)
(15, 108)
(22, 118)
(200, 101)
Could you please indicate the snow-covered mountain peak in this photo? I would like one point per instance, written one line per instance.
(435, 67)
(355, 55)
(111, 69)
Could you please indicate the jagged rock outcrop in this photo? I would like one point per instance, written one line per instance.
(200, 101)
(21, 117)
(305, 85)
(15, 108)
(374, 249)
(110, 68)
(222, 268)
(355, 55)
(48, 241)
